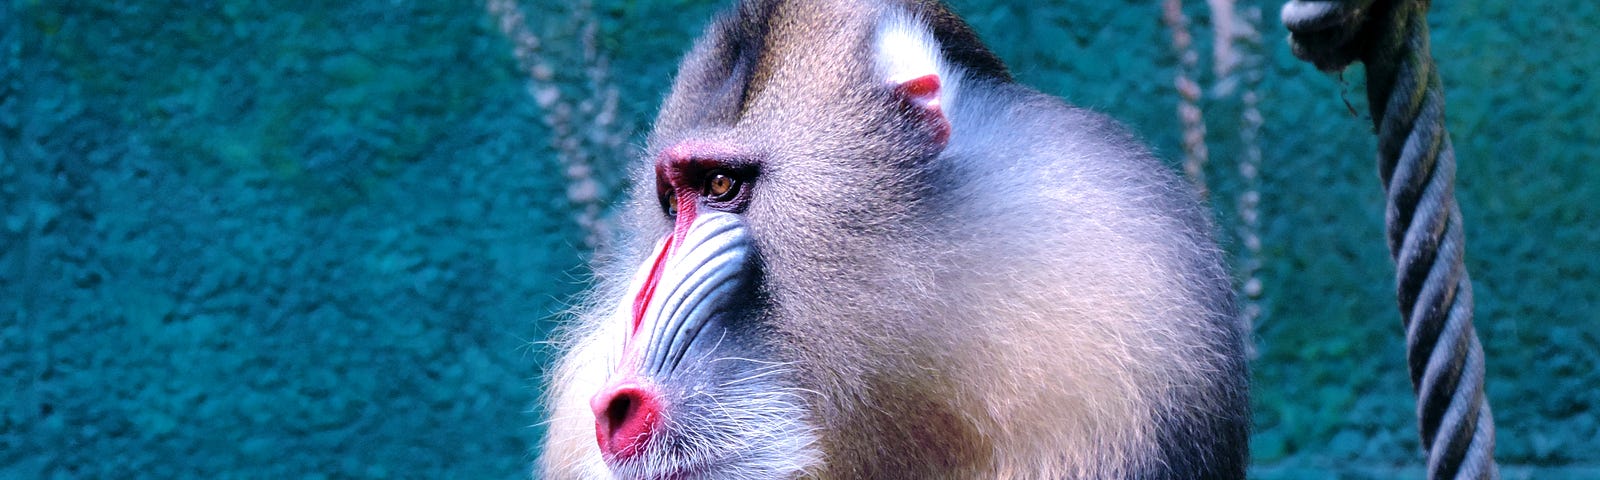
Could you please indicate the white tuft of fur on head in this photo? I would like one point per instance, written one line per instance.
(905, 50)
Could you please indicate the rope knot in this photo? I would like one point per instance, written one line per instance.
(1327, 33)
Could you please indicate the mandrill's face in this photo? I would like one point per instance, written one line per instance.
(691, 391)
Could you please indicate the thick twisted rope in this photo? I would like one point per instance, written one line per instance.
(1417, 164)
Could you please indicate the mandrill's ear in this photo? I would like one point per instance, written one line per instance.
(910, 61)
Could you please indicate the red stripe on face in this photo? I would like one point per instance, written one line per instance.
(642, 299)
(687, 198)
(680, 228)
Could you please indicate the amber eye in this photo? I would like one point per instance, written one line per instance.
(671, 202)
(721, 187)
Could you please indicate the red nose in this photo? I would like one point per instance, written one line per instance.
(624, 418)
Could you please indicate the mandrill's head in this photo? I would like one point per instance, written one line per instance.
(782, 187)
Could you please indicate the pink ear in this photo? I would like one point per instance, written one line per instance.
(922, 94)
(923, 90)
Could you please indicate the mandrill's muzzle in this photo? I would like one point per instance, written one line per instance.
(688, 297)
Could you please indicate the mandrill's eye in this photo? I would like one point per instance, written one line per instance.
(669, 202)
(721, 187)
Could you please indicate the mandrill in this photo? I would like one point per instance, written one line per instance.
(858, 250)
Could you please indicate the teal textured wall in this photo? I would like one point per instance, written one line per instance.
(302, 239)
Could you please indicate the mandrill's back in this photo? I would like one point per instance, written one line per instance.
(1099, 307)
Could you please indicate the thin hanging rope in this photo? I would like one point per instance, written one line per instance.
(583, 131)
(1417, 165)
(1236, 61)
(1194, 124)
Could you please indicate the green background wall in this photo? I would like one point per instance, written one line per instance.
(325, 239)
